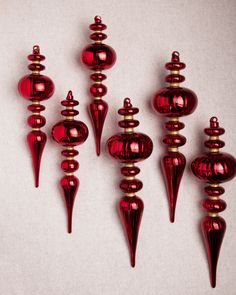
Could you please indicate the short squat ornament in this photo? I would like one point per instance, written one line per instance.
(214, 167)
(173, 102)
(98, 57)
(130, 147)
(69, 133)
(36, 88)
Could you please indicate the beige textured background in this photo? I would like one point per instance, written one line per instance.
(37, 256)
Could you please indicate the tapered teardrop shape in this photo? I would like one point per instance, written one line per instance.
(69, 186)
(131, 210)
(173, 165)
(213, 230)
(98, 110)
(36, 140)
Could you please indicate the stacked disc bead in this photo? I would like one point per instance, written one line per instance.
(98, 57)
(36, 87)
(173, 102)
(128, 148)
(214, 168)
(69, 133)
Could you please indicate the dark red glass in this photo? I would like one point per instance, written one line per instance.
(36, 121)
(36, 141)
(130, 171)
(214, 191)
(173, 102)
(69, 186)
(131, 186)
(214, 206)
(98, 57)
(213, 168)
(175, 140)
(131, 211)
(36, 87)
(173, 165)
(213, 229)
(133, 147)
(98, 111)
(129, 148)
(98, 90)
(69, 133)
(69, 166)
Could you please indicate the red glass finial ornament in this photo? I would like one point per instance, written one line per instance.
(69, 133)
(98, 57)
(174, 102)
(214, 168)
(36, 87)
(128, 148)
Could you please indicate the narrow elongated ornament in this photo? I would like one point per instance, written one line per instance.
(69, 133)
(130, 147)
(36, 88)
(173, 102)
(214, 168)
(98, 57)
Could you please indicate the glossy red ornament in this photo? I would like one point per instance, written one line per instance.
(129, 148)
(173, 102)
(69, 133)
(98, 57)
(36, 87)
(214, 168)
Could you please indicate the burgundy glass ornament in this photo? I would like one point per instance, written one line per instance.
(36, 87)
(214, 168)
(98, 57)
(128, 148)
(173, 102)
(69, 133)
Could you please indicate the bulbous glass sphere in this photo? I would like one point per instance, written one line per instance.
(98, 56)
(36, 87)
(70, 133)
(175, 102)
(210, 167)
(132, 147)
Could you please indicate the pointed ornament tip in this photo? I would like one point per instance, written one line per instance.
(98, 111)
(98, 146)
(69, 222)
(172, 215)
(131, 210)
(133, 260)
(173, 165)
(69, 185)
(36, 142)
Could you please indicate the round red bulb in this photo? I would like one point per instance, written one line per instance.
(175, 102)
(98, 56)
(128, 148)
(210, 167)
(70, 133)
(36, 87)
